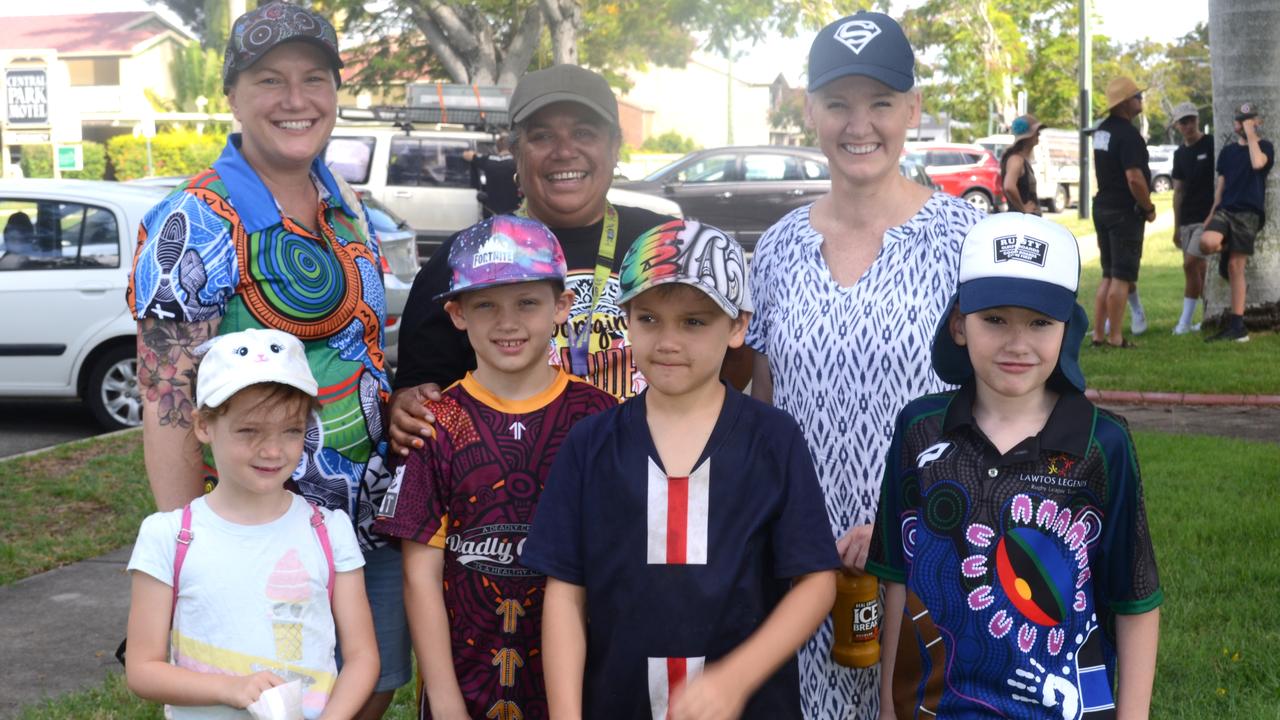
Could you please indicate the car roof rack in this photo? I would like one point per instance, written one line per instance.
(474, 107)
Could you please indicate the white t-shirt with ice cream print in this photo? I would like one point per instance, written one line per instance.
(251, 597)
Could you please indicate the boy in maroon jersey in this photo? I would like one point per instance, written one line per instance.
(463, 502)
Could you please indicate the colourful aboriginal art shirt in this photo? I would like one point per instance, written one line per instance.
(221, 247)
(472, 492)
(679, 571)
(1015, 565)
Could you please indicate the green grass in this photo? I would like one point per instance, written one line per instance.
(1164, 362)
(1210, 503)
(111, 700)
(70, 504)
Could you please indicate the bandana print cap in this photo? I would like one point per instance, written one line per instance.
(692, 254)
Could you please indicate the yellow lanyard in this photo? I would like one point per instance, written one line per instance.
(605, 250)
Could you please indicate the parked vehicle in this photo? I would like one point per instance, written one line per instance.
(421, 176)
(1056, 161)
(400, 265)
(1161, 164)
(970, 172)
(741, 190)
(65, 258)
(914, 171)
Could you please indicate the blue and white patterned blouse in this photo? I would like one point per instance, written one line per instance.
(845, 361)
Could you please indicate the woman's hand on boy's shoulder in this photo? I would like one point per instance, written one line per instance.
(411, 421)
(713, 695)
(241, 691)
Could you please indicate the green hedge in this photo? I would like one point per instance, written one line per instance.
(178, 152)
(37, 162)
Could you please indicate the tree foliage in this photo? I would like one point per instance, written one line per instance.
(496, 41)
(984, 52)
(211, 19)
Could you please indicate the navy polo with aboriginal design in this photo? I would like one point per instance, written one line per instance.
(1015, 565)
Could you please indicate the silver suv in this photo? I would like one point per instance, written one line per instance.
(421, 176)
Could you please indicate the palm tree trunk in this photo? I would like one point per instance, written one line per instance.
(1245, 56)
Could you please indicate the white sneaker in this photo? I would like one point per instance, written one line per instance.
(1137, 321)
(1181, 329)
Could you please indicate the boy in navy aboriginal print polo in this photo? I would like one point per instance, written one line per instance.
(1011, 532)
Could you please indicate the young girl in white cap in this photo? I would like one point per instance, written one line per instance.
(250, 587)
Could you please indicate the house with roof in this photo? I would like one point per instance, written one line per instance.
(92, 71)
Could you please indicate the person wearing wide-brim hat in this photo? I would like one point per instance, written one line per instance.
(847, 291)
(1019, 178)
(1192, 204)
(1120, 208)
(268, 237)
(1239, 211)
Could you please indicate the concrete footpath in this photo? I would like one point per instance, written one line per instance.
(59, 630)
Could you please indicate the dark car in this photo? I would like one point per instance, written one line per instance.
(742, 190)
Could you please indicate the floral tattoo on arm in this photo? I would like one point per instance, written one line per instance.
(167, 367)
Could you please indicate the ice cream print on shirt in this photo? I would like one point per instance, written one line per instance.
(291, 606)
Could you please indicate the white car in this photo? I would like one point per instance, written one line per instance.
(65, 257)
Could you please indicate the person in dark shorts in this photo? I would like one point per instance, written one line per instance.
(1238, 211)
(1120, 207)
(1192, 201)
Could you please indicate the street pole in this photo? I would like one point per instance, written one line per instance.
(1086, 110)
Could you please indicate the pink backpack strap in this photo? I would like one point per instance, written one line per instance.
(322, 534)
(179, 556)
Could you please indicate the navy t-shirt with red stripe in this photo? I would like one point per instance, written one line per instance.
(679, 572)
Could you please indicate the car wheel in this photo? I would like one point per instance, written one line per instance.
(1061, 200)
(1161, 184)
(979, 199)
(112, 393)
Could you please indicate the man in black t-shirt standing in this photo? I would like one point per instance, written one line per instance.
(1192, 201)
(1120, 207)
(1238, 211)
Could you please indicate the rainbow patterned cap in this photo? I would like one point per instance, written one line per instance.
(503, 250)
(690, 253)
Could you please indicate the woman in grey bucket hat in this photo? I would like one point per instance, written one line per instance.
(847, 292)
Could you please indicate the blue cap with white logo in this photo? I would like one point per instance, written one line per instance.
(870, 44)
(1019, 260)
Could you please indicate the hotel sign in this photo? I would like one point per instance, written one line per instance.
(27, 96)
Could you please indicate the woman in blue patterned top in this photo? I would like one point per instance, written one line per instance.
(848, 291)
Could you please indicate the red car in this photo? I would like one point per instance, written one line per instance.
(970, 172)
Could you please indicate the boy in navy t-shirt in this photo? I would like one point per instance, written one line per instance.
(683, 534)
(1238, 212)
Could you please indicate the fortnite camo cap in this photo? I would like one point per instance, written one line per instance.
(503, 250)
(692, 254)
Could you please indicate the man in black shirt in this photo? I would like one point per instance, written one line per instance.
(1121, 205)
(494, 175)
(1192, 201)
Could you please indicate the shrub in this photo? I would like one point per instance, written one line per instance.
(669, 142)
(37, 162)
(176, 152)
